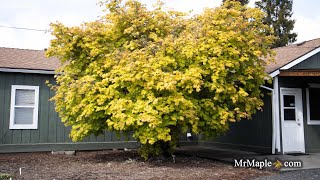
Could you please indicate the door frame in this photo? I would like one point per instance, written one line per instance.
(299, 94)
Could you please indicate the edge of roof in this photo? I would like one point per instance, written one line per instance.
(26, 70)
(34, 71)
(295, 61)
(273, 73)
(23, 48)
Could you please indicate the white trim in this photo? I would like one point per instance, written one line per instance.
(27, 71)
(300, 59)
(309, 121)
(273, 150)
(274, 73)
(267, 88)
(294, 62)
(24, 106)
(276, 113)
(299, 90)
(34, 124)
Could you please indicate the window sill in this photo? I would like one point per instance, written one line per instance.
(23, 127)
(314, 122)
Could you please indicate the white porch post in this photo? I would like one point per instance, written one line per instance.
(276, 114)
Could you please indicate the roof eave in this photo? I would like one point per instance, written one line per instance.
(294, 62)
(34, 71)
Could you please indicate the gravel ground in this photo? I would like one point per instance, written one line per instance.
(312, 174)
(119, 165)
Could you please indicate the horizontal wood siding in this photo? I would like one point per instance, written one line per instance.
(254, 134)
(50, 129)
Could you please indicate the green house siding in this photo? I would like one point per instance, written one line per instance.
(51, 133)
(311, 63)
(254, 134)
(311, 132)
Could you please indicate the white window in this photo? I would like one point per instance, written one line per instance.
(313, 105)
(24, 107)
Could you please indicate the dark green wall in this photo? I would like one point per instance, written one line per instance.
(254, 134)
(311, 132)
(50, 129)
(311, 63)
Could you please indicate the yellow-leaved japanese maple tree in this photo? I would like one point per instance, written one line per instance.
(160, 72)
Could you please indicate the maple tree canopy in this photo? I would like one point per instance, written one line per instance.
(160, 73)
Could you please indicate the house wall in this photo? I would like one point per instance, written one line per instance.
(51, 133)
(311, 132)
(311, 63)
(254, 134)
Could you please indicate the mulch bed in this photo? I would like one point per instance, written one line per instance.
(118, 164)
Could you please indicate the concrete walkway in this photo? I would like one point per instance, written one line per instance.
(309, 161)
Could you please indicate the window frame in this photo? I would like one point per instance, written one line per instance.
(290, 108)
(309, 121)
(34, 124)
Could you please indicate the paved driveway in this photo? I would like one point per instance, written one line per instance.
(312, 174)
(309, 161)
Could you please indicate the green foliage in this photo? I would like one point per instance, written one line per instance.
(160, 73)
(278, 17)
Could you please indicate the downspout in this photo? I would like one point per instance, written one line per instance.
(273, 119)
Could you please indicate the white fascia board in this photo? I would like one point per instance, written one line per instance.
(274, 73)
(27, 71)
(300, 59)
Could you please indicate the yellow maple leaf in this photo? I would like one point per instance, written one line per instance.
(278, 164)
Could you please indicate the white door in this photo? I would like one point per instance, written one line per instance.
(292, 120)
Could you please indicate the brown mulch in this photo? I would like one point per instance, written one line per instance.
(118, 165)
